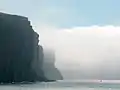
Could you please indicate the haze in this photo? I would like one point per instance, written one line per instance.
(90, 50)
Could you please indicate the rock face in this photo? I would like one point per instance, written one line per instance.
(21, 58)
(50, 71)
(19, 50)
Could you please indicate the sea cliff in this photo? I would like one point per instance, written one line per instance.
(21, 58)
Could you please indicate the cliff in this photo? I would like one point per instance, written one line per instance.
(21, 58)
(19, 54)
(50, 71)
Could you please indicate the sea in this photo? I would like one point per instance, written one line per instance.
(66, 85)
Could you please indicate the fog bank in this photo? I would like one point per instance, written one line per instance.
(91, 50)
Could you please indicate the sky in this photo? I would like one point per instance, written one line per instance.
(65, 13)
(84, 33)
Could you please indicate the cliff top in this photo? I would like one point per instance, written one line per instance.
(11, 15)
(15, 18)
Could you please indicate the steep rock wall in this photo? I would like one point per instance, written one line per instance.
(18, 50)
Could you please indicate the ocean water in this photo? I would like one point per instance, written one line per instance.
(65, 85)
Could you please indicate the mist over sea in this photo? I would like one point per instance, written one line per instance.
(66, 85)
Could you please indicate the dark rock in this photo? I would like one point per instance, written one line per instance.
(19, 50)
(21, 58)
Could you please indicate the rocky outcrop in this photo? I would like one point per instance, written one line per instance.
(50, 71)
(19, 53)
(21, 58)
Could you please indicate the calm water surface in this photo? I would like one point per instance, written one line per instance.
(65, 85)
